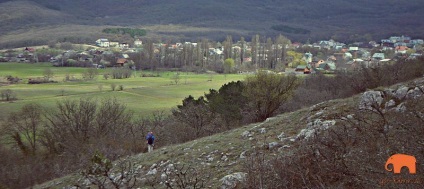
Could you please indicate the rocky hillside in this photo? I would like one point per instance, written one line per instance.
(223, 160)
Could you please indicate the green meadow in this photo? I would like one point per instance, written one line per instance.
(143, 95)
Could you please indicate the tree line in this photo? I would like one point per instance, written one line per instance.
(265, 52)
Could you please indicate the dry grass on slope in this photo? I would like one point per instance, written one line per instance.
(211, 158)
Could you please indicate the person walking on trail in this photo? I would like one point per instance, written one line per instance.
(150, 139)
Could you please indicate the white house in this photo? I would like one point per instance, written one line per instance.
(417, 42)
(378, 56)
(113, 44)
(103, 43)
(353, 48)
(124, 45)
(307, 57)
(138, 43)
(347, 55)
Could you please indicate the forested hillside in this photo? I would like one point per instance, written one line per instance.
(299, 19)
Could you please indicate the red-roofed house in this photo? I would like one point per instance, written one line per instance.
(401, 49)
(121, 61)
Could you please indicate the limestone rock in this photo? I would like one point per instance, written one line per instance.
(246, 134)
(282, 136)
(153, 166)
(233, 180)
(152, 172)
(369, 99)
(314, 127)
(273, 145)
(243, 155)
(401, 92)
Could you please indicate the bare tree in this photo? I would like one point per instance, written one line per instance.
(104, 174)
(176, 78)
(48, 74)
(78, 124)
(8, 95)
(90, 74)
(185, 176)
(25, 123)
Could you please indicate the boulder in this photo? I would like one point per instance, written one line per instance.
(414, 93)
(371, 98)
(233, 180)
(224, 158)
(243, 155)
(314, 127)
(246, 134)
(401, 92)
(152, 172)
(153, 166)
(273, 145)
(282, 136)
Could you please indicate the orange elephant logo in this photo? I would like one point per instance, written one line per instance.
(401, 160)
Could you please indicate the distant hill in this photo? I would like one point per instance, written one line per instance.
(299, 19)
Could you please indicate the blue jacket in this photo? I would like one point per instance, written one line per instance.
(150, 138)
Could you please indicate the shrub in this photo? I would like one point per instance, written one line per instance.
(121, 73)
(12, 79)
(106, 76)
(39, 81)
(90, 74)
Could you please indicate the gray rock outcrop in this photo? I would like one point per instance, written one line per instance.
(233, 180)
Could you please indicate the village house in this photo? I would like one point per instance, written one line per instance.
(307, 57)
(124, 45)
(402, 38)
(327, 66)
(296, 45)
(126, 56)
(387, 48)
(120, 62)
(353, 48)
(338, 47)
(103, 43)
(317, 63)
(373, 44)
(358, 63)
(414, 55)
(378, 56)
(303, 68)
(397, 44)
(84, 57)
(417, 42)
(347, 56)
(113, 44)
(138, 43)
(401, 49)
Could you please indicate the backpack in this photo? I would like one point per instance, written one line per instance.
(150, 139)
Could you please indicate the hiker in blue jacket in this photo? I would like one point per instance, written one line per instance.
(150, 139)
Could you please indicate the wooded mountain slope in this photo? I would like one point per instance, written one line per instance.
(317, 19)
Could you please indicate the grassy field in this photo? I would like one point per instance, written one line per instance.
(143, 95)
